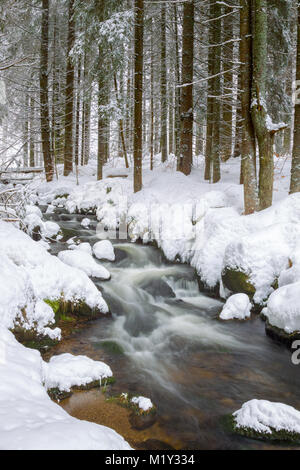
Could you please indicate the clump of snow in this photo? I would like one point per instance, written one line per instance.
(264, 417)
(85, 262)
(104, 250)
(144, 404)
(238, 306)
(29, 419)
(86, 247)
(66, 371)
(86, 223)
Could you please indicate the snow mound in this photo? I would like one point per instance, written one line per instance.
(264, 417)
(29, 275)
(283, 308)
(86, 247)
(29, 419)
(104, 250)
(238, 306)
(85, 262)
(144, 404)
(86, 223)
(65, 371)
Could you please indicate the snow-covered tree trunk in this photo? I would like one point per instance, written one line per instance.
(138, 93)
(68, 149)
(260, 117)
(295, 173)
(163, 87)
(45, 118)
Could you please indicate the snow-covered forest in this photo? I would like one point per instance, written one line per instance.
(149, 224)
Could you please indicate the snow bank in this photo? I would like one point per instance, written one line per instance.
(238, 306)
(65, 371)
(29, 275)
(85, 262)
(104, 250)
(264, 417)
(29, 419)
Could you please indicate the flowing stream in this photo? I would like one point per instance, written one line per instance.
(166, 343)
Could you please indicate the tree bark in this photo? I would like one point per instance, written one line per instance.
(163, 88)
(295, 173)
(248, 147)
(265, 136)
(138, 93)
(186, 108)
(44, 98)
(68, 150)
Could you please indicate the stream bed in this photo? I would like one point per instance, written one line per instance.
(164, 341)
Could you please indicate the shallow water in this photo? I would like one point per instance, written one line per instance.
(164, 341)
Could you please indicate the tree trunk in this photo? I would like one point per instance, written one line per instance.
(138, 93)
(32, 134)
(295, 173)
(177, 89)
(228, 35)
(216, 89)
(248, 147)
(186, 108)
(264, 135)
(68, 150)
(163, 88)
(45, 121)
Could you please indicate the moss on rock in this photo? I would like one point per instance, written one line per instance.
(237, 281)
(280, 335)
(275, 436)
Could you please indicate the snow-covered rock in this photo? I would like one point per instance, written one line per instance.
(283, 308)
(144, 404)
(66, 371)
(104, 250)
(47, 229)
(267, 418)
(86, 247)
(238, 306)
(85, 262)
(85, 223)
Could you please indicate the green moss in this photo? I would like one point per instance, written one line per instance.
(62, 196)
(54, 304)
(57, 395)
(124, 400)
(238, 281)
(275, 436)
(112, 347)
